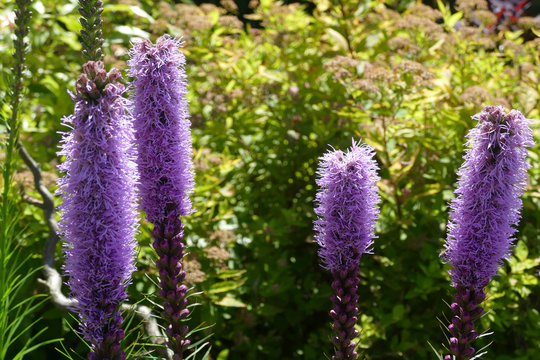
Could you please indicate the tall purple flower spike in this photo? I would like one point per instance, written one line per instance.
(483, 215)
(99, 217)
(347, 211)
(163, 136)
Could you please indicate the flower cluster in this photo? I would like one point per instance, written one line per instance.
(163, 137)
(491, 181)
(347, 208)
(99, 219)
(347, 205)
(162, 128)
(483, 216)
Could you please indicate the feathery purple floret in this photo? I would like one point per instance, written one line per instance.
(99, 219)
(491, 181)
(347, 209)
(163, 137)
(162, 128)
(347, 205)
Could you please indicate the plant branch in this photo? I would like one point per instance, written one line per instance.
(345, 28)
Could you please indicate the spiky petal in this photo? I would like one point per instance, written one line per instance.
(99, 219)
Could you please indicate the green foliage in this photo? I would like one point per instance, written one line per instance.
(266, 102)
(18, 305)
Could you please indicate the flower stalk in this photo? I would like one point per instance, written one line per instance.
(163, 136)
(91, 33)
(345, 312)
(99, 220)
(347, 211)
(484, 215)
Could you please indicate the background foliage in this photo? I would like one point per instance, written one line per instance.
(267, 98)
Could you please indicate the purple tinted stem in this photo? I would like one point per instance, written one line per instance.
(110, 348)
(345, 312)
(170, 250)
(466, 310)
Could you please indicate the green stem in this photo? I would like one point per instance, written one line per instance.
(22, 18)
(91, 34)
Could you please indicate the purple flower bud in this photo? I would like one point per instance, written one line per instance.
(351, 307)
(184, 329)
(476, 312)
(491, 181)
(479, 296)
(471, 305)
(351, 321)
(467, 327)
(468, 351)
(454, 345)
(464, 294)
(163, 273)
(457, 322)
(453, 330)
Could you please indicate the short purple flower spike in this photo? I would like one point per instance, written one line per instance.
(99, 216)
(163, 137)
(483, 216)
(491, 181)
(347, 209)
(347, 205)
(162, 128)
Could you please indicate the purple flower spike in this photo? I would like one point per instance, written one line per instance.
(162, 131)
(162, 128)
(347, 209)
(99, 217)
(483, 216)
(491, 181)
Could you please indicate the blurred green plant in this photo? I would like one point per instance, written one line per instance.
(18, 302)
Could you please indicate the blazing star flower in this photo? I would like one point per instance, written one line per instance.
(491, 181)
(162, 128)
(99, 220)
(347, 209)
(347, 205)
(483, 216)
(163, 137)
